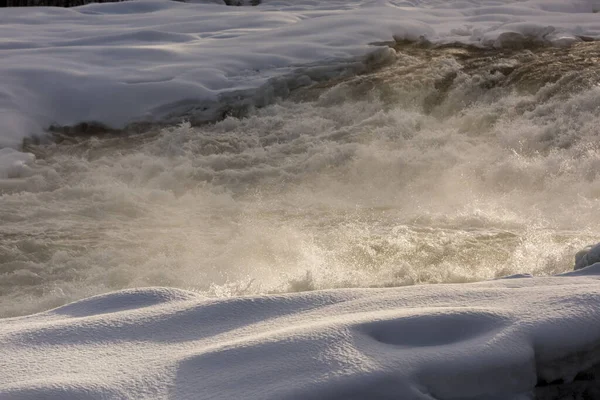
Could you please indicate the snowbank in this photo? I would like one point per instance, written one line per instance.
(490, 340)
(146, 60)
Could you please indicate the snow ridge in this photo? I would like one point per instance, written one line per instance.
(489, 340)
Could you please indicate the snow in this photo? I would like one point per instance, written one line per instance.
(146, 60)
(488, 340)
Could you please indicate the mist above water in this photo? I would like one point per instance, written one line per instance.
(443, 167)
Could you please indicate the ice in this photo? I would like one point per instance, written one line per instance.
(489, 340)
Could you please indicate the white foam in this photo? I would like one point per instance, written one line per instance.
(348, 190)
(14, 164)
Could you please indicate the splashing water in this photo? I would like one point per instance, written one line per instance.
(444, 167)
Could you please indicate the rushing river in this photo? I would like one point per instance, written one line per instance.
(449, 165)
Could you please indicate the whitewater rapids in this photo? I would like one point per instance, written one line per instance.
(448, 165)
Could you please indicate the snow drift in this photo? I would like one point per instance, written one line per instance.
(491, 340)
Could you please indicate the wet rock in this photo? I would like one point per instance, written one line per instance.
(585, 385)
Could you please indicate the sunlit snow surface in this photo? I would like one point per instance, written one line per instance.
(491, 340)
(433, 166)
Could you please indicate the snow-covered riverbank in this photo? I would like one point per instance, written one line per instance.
(146, 60)
(489, 340)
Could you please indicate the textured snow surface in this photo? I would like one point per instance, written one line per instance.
(489, 340)
(121, 62)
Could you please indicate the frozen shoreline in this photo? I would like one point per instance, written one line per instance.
(489, 340)
(118, 63)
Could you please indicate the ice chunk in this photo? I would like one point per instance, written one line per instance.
(588, 256)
